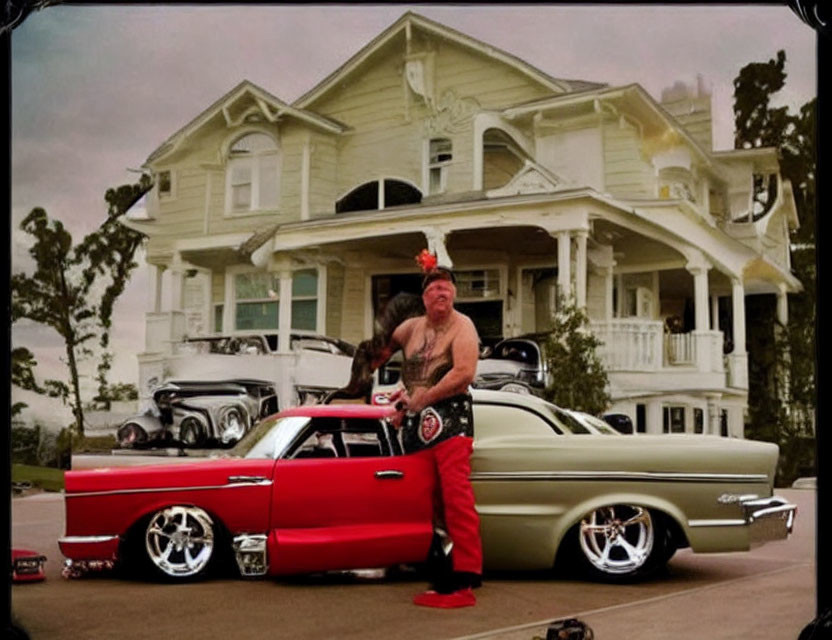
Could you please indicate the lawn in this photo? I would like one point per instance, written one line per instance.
(47, 478)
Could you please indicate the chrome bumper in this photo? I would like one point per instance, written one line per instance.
(768, 518)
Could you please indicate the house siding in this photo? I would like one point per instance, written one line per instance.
(335, 287)
(626, 172)
(387, 137)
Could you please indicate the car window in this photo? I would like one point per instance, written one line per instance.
(600, 425)
(571, 424)
(495, 420)
(269, 438)
(341, 438)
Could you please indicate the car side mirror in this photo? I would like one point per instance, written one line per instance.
(486, 352)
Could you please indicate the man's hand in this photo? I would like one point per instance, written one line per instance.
(418, 400)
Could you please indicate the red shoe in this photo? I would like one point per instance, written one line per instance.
(461, 598)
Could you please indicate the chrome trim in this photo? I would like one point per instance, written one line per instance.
(251, 554)
(617, 475)
(115, 492)
(766, 518)
(731, 498)
(259, 480)
(389, 474)
(717, 523)
(86, 539)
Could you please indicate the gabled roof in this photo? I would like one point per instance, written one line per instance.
(633, 92)
(271, 106)
(409, 20)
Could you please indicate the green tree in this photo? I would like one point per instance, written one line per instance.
(578, 379)
(73, 287)
(782, 376)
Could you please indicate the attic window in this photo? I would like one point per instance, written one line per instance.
(440, 154)
(163, 179)
(253, 174)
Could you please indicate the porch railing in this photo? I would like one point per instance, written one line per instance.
(629, 344)
(633, 344)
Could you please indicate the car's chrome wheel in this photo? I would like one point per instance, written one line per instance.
(180, 541)
(191, 432)
(618, 540)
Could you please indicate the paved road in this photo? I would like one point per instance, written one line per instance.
(768, 593)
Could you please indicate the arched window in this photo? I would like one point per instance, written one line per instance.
(379, 194)
(253, 174)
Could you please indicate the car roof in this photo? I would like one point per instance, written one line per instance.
(367, 411)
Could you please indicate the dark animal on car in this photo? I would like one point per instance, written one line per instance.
(372, 353)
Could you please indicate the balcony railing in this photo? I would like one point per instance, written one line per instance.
(633, 344)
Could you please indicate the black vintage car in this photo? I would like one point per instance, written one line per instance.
(200, 413)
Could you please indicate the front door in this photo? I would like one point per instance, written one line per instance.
(341, 501)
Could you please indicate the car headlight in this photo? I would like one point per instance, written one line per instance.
(232, 423)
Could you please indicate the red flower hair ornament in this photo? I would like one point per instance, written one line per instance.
(426, 260)
(429, 264)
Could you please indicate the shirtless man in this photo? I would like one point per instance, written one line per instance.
(441, 350)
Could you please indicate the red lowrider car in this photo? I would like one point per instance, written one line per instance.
(326, 487)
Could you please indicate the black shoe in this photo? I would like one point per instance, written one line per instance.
(455, 581)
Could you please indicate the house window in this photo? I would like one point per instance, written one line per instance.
(253, 174)
(257, 297)
(305, 300)
(641, 418)
(673, 419)
(379, 194)
(256, 301)
(440, 154)
(218, 310)
(165, 183)
(479, 284)
(698, 421)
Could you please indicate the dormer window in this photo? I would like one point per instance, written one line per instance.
(253, 174)
(164, 184)
(440, 155)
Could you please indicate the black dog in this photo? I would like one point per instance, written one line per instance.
(371, 354)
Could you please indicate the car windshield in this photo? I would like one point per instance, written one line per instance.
(598, 425)
(566, 421)
(269, 438)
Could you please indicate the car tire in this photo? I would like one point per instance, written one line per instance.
(180, 543)
(131, 435)
(192, 432)
(621, 543)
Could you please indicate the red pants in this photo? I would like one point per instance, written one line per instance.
(452, 461)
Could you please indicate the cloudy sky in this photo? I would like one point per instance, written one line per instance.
(95, 89)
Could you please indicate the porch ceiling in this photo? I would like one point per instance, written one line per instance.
(630, 248)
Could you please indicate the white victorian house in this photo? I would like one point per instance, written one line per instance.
(306, 217)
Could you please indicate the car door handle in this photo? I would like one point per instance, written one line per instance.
(248, 480)
(389, 474)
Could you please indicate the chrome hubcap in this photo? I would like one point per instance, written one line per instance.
(617, 540)
(180, 540)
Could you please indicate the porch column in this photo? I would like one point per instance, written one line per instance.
(177, 277)
(436, 245)
(580, 268)
(713, 414)
(654, 417)
(619, 310)
(700, 296)
(564, 260)
(715, 312)
(738, 313)
(782, 305)
(284, 310)
(154, 288)
(608, 290)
